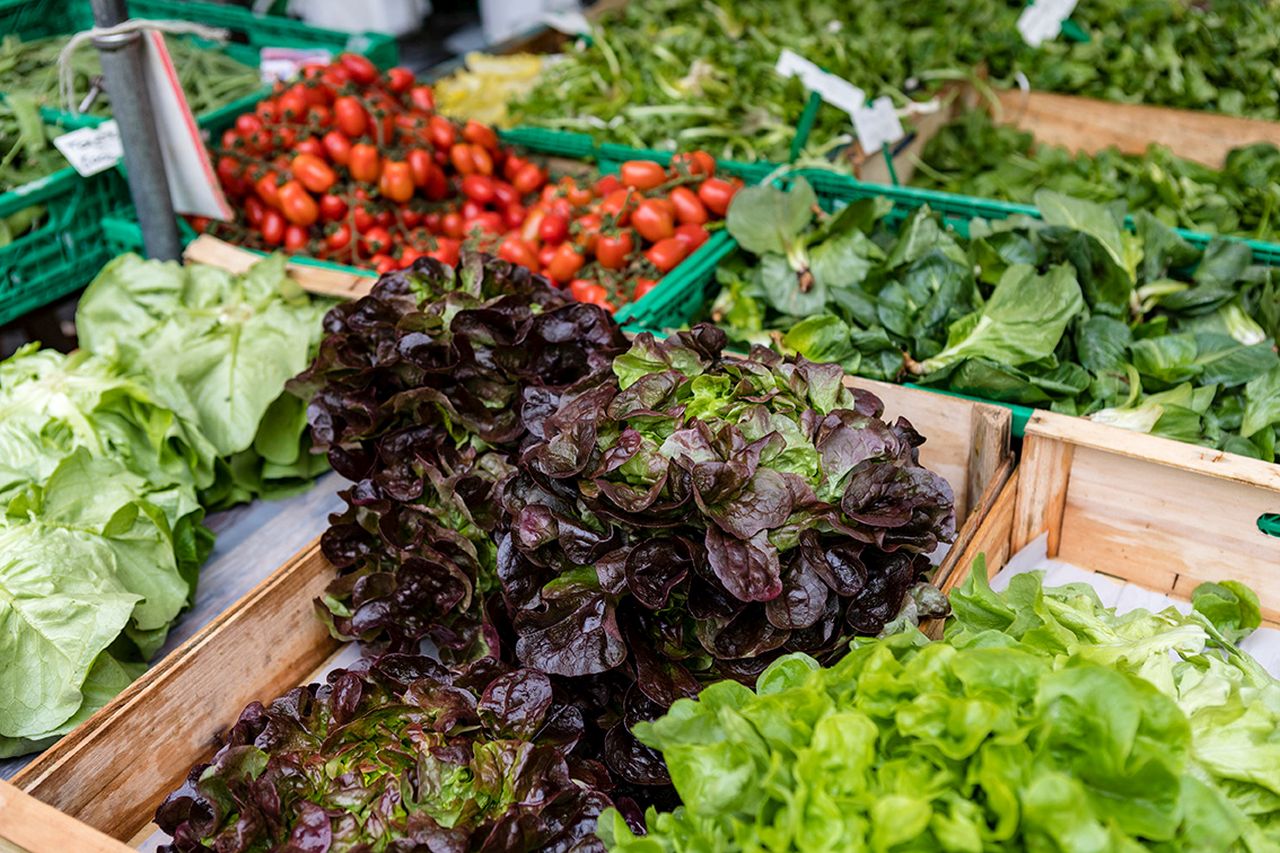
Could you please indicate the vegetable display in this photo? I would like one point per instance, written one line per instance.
(209, 78)
(679, 74)
(1137, 329)
(109, 458)
(397, 753)
(357, 167)
(1042, 721)
(974, 156)
(218, 349)
(423, 391)
(482, 88)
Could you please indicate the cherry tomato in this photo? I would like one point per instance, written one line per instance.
(383, 263)
(460, 157)
(293, 105)
(396, 182)
(694, 163)
(545, 254)
(295, 238)
(338, 238)
(376, 239)
(248, 124)
(268, 110)
(360, 69)
(338, 147)
(399, 79)
(441, 132)
(607, 185)
(437, 186)
(717, 194)
(254, 211)
(317, 94)
(478, 188)
(471, 209)
(332, 207)
(519, 252)
(421, 164)
(643, 286)
(528, 179)
(268, 189)
(297, 204)
(311, 145)
(412, 218)
(321, 116)
(613, 251)
(446, 251)
(692, 235)
(482, 160)
(587, 231)
(667, 254)
(408, 255)
(313, 173)
(350, 116)
(452, 224)
(231, 138)
(363, 219)
(229, 170)
(513, 215)
(504, 195)
(653, 221)
(643, 174)
(620, 204)
(554, 229)
(586, 290)
(689, 209)
(423, 98)
(431, 221)
(365, 163)
(273, 227)
(486, 222)
(576, 195)
(565, 263)
(385, 218)
(480, 134)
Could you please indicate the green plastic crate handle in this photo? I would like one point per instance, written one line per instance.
(1269, 523)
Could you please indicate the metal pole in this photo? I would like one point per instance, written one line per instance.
(122, 66)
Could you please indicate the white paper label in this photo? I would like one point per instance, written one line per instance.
(91, 150)
(284, 63)
(877, 124)
(193, 186)
(1042, 20)
(836, 91)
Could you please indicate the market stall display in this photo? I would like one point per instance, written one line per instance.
(680, 508)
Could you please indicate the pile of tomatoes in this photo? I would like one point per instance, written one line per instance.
(353, 165)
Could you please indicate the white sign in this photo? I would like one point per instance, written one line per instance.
(193, 185)
(284, 63)
(877, 124)
(836, 91)
(570, 22)
(91, 150)
(1042, 20)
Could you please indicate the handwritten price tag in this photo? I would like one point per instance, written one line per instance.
(1042, 20)
(836, 91)
(91, 150)
(877, 124)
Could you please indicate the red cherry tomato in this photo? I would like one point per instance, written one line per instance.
(365, 163)
(273, 227)
(587, 231)
(694, 163)
(478, 188)
(446, 251)
(377, 239)
(295, 238)
(565, 263)
(519, 252)
(338, 238)
(667, 254)
(554, 229)
(480, 134)
(452, 224)
(689, 209)
(613, 251)
(529, 179)
(396, 182)
(653, 220)
(717, 194)
(606, 185)
(350, 116)
(400, 79)
(643, 286)
(513, 215)
(576, 196)
(360, 69)
(586, 290)
(441, 132)
(692, 235)
(423, 98)
(338, 147)
(311, 145)
(620, 204)
(254, 211)
(268, 189)
(408, 255)
(248, 124)
(643, 174)
(297, 204)
(545, 254)
(332, 207)
(383, 263)
(313, 173)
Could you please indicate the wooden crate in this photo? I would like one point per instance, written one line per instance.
(114, 770)
(1158, 513)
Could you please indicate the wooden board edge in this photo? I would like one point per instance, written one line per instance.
(1206, 461)
(975, 529)
(993, 538)
(31, 826)
(321, 281)
(91, 764)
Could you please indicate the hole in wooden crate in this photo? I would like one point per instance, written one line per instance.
(1269, 523)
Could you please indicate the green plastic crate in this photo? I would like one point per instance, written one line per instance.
(67, 249)
(249, 34)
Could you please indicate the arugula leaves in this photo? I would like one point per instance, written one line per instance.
(1073, 312)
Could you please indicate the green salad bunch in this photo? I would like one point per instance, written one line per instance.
(1043, 721)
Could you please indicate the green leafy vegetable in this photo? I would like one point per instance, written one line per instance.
(1042, 721)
